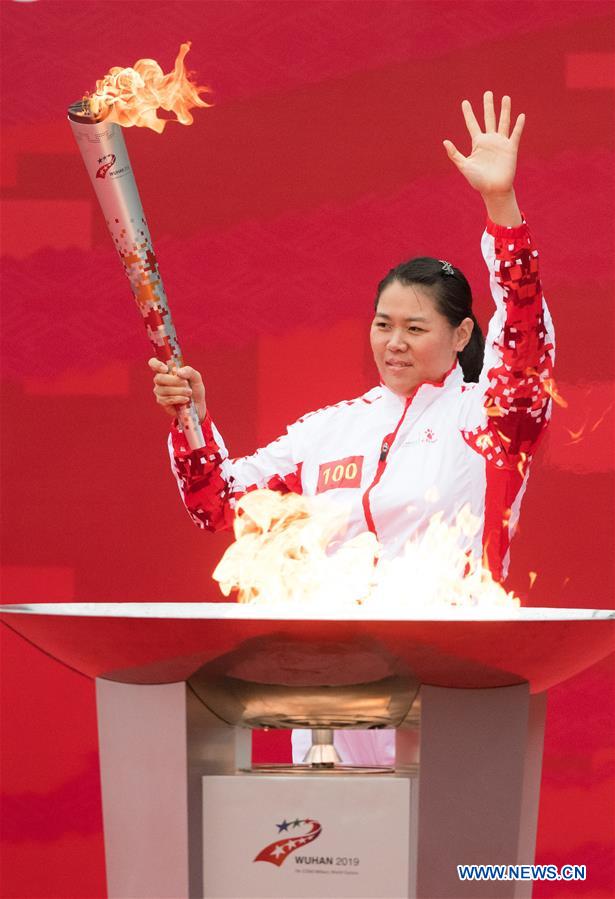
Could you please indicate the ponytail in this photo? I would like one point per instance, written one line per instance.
(472, 356)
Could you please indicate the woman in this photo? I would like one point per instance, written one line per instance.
(445, 427)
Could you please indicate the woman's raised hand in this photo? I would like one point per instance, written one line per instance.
(172, 390)
(490, 167)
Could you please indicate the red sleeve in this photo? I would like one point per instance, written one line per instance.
(519, 352)
(506, 413)
(205, 493)
(210, 483)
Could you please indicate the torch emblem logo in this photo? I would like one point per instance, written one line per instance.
(105, 163)
(277, 852)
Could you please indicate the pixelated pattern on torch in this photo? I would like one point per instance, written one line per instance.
(141, 267)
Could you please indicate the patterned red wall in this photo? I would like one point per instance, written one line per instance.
(273, 218)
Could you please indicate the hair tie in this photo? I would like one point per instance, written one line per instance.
(447, 268)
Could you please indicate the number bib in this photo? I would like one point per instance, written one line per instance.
(341, 473)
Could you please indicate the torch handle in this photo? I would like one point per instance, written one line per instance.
(106, 159)
(191, 426)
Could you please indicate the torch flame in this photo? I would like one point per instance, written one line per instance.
(288, 548)
(133, 96)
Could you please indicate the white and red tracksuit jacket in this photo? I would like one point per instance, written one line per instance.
(397, 461)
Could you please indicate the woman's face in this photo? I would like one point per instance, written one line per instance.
(411, 341)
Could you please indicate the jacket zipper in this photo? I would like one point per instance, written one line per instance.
(385, 447)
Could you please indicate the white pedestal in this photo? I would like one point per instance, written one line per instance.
(480, 758)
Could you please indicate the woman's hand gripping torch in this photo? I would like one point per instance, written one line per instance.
(128, 97)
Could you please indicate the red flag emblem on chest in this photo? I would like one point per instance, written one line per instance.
(341, 473)
(277, 852)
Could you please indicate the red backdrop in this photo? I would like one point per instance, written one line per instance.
(273, 217)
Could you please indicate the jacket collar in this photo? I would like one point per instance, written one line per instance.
(426, 389)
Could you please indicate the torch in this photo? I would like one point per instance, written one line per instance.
(132, 97)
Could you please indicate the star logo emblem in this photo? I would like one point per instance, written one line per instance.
(277, 852)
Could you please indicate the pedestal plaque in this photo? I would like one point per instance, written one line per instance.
(309, 836)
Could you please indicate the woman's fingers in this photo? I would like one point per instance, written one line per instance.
(504, 126)
(515, 137)
(178, 387)
(190, 374)
(471, 123)
(169, 396)
(157, 365)
(489, 112)
(170, 381)
(172, 399)
(168, 388)
(490, 119)
(182, 379)
(186, 373)
(453, 153)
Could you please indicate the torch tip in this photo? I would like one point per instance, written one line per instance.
(80, 111)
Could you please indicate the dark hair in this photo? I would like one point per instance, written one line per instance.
(453, 296)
